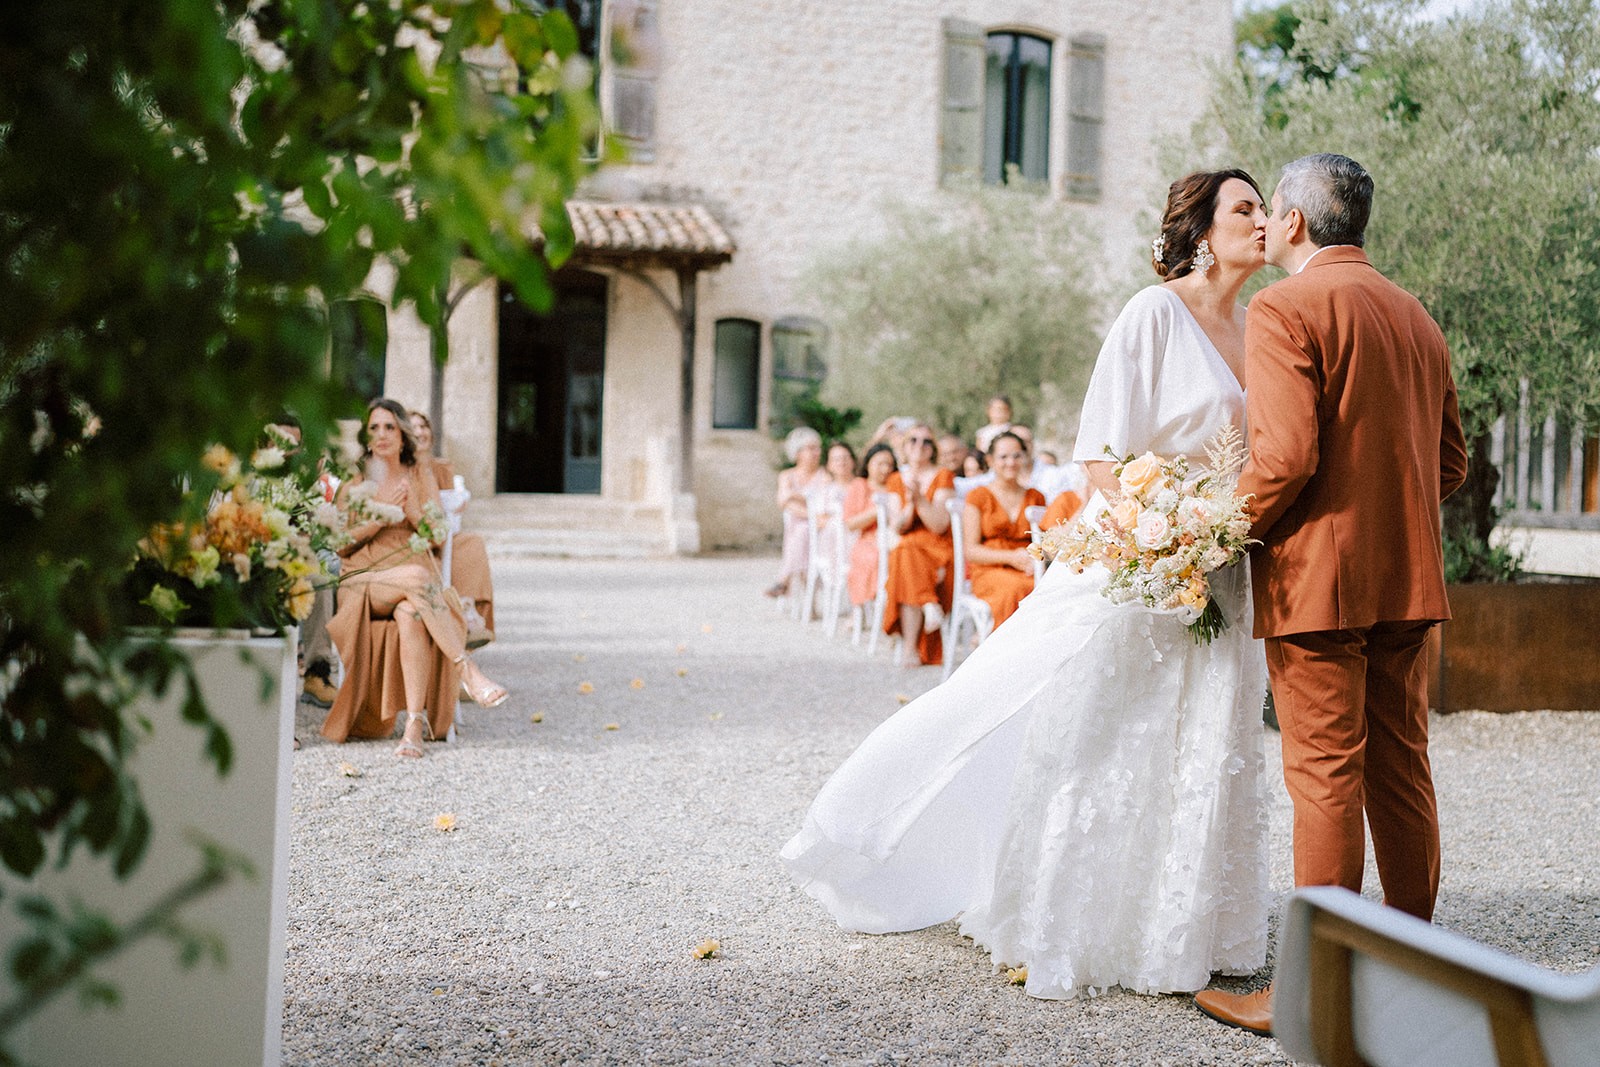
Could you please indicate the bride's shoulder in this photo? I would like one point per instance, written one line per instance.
(1151, 302)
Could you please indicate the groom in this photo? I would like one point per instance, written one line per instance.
(1354, 440)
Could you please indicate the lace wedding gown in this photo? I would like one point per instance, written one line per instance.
(1085, 791)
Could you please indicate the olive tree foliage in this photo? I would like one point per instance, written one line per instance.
(184, 187)
(981, 291)
(1482, 134)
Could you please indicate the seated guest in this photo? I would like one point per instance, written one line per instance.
(803, 446)
(389, 571)
(861, 515)
(999, 412)
(469, 556)
(952, 452)
(974, 465)
(841, 471)
(995, 530)
(919, 566)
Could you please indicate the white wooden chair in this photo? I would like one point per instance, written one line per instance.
(1359, 983)
(836, 567)
(887, 537)
(454, 500)
(965, 609)
(1034, 513)
(805, 603)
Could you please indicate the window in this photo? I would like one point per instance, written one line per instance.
(1016, 102)
(360, 339)
(1086, 67)
(797, 369)
(735, 390)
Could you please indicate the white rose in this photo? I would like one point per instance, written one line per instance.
(1194, 513)
(1153, 530)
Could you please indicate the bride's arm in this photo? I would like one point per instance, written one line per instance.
(1102, 478)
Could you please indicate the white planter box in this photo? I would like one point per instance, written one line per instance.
(207, 1016)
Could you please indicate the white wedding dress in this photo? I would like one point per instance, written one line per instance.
(1085, 792)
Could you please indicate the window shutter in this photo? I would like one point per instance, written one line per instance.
(1086, 70)
(635, 53)
(961, 134)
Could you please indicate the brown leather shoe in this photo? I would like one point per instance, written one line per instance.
(1247, 1011)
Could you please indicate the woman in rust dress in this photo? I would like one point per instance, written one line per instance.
(919, 566)
(389, 571)
(995, 530)
(469, 556)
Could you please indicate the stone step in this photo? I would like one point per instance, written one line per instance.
(555, 525)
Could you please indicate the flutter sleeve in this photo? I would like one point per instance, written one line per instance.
(1119, 408)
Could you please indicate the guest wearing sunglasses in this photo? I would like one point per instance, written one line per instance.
(919, 566)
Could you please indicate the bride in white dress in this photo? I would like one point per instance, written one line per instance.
(1085, 791)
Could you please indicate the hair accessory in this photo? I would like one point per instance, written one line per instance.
(1203, 259)
(1158, 246)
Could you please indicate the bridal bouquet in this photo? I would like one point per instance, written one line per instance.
(1166, 534)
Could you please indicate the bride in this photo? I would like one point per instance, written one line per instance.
(1085, 792)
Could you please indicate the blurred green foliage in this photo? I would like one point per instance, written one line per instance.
(1482, 134)
(184, 189)
(982, 291)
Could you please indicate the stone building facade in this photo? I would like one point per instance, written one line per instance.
(762, 132)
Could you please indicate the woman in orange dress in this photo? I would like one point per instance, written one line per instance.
(389, 570)
(919, 566)
(469, 556)
(995, 530)
(861, 515)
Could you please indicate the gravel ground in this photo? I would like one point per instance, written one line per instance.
(682, 727)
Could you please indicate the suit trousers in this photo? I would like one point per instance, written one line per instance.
(1353, 709)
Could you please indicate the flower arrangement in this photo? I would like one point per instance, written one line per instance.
(1166, 533)
(251, 559)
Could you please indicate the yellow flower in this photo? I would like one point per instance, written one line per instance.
(1017, 975)
(709, 949)
(302, 597)
(444, 821)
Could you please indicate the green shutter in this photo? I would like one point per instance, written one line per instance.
(961, 134)
(1086, 72)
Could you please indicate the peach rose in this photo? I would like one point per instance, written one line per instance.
(1138, 475)
(1125, 514)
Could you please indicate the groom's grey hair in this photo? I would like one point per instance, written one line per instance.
(1333, 194)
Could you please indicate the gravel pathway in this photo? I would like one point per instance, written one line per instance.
(628, 803)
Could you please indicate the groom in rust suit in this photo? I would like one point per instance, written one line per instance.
(1354, 441)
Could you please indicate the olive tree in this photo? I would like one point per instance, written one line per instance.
(979, 292)
(1482, 134)
(184, 187)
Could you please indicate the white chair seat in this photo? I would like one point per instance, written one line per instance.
(966, 610)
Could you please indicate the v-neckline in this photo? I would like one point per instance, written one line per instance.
(1206, 337)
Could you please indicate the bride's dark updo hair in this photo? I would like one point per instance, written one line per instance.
(1191, 209)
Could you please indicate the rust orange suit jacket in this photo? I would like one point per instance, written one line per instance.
(1354, 440)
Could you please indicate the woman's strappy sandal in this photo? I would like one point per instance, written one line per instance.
(409, 749)
(492, 695)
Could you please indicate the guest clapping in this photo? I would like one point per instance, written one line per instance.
(996, 532)
(803, 446)
(919, 566)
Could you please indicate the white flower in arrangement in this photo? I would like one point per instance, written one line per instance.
(362, 492)
(1153, 531)
(1166, 500)
(241, 565)
(326, 515)
(418, 544)
(268, 458)
(387, 513)
(1194, 514)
